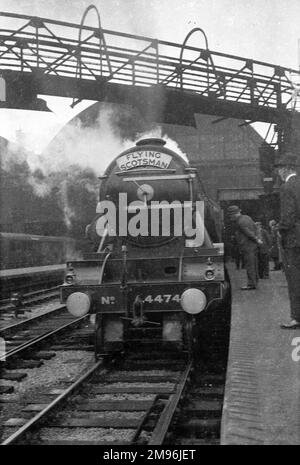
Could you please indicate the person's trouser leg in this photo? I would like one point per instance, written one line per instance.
(276, 263)
(292, 273)
(256, 265)
(237, 261)
(265, 268)
(251, 267)
(260, 265)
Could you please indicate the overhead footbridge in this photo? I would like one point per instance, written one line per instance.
(167, 81)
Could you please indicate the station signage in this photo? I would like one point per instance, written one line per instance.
(144, 158)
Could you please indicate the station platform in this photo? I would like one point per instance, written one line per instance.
(262, 392)
(31, 278)
(19, 272)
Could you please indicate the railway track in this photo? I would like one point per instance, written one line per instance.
(28, 283)
(198, 421)
(44, 329)
(33, 332)
(12, 325)
(140, 409)
(30, 299)
(150, 398)
(26, 347)
(136, 400)
(27, 362)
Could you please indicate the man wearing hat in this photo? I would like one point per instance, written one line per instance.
(246, 235)
(289, 228)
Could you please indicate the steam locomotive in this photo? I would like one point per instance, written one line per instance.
(156, 273)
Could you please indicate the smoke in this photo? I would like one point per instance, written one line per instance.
(157, 131)
(88, 147)
(64, 178)
(40, 202)
(97, 137)
(133, 16)
(69, 213)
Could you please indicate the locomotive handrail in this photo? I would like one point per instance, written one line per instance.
(103, 266)
(155, 170)
(165, 177)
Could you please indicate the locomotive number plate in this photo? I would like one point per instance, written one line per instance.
(162, 298)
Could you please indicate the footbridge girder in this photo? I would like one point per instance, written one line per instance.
(166, 81)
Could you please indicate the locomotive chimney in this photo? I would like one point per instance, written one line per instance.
(151, 141)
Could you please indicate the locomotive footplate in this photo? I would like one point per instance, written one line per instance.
(110, 298)
(166, 297)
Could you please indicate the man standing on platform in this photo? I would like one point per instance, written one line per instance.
(246, 235)
(289, 228)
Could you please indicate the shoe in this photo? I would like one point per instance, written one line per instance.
(248, 288)
(291, 325)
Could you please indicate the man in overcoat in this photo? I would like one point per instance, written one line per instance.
(247, 239)
(289, 228)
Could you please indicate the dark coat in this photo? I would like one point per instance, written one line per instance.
(274, 252)
(246, 233)
(266, 242)
(289, 224)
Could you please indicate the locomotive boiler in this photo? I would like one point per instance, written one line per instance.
(155, 274)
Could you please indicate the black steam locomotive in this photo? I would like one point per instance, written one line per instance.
(156, 274)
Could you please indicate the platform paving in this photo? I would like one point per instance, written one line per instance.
(262, 393)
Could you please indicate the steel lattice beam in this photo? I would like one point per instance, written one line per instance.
(42, 56)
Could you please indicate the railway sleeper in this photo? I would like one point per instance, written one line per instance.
(17, 364)
(15, 376)
(6, 389)
(199, 427)
(38, 355)
(204, 408)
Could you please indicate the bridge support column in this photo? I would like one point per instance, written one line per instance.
(289, 134)
(22, 90)
(293, 139)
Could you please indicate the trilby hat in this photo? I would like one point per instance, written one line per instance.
(233, 209)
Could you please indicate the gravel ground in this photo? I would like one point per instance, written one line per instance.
(10, 397)
(145, 435)
(52, 371)
(52, 374)
(87, 434)
(8, 432)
